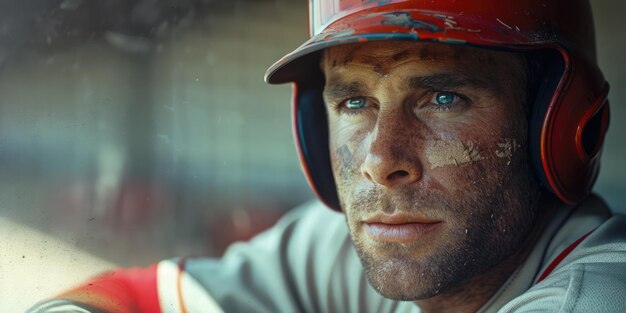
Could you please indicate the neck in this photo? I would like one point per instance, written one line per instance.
(472, 294)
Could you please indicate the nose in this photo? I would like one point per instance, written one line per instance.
(391, 161)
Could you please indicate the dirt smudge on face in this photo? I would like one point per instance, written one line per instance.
(452, 152)
(507, 148)
(344, 156)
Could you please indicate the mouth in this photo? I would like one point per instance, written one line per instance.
(399, 228)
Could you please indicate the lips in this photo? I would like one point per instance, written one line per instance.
(399, 228)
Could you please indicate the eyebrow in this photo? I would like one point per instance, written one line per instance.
(337, 89)
(445, 81)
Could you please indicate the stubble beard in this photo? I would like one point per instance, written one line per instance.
(484, 226)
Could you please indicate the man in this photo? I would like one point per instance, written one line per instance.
(459, 141)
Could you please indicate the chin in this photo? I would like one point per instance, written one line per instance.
(402, 280)
(406, 272)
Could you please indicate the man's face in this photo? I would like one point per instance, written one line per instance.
(428, 148)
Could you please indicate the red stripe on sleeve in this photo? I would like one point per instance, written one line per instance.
(145, 288)
(125, 290)
(562, 256)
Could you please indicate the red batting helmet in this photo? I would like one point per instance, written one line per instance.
(570, 114)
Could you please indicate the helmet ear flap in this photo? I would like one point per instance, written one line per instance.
(544, 79)
(592, 132)
(568, 122)
(311, 136)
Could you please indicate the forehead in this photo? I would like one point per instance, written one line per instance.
(383, 56)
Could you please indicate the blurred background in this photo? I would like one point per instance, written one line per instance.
(133, 131)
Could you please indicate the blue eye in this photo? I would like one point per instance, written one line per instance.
(356, 103)
(445, 98)
(445, 101)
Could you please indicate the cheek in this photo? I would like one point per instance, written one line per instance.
(452, 152)
(468, 164)
(463, 156)
(345, 142)
(493, 131)
(347, 135)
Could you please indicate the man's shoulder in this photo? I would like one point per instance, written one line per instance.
(311, 218)
(314, 226)
(597, 240)
(304, 263)
(316, 210)
(604, 233)
(588, 256)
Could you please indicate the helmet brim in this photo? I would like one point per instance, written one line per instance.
(406, 25)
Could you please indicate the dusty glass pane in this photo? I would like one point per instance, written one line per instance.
(134, 131)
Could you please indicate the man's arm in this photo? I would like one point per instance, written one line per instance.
(305, 263)
(301, 264)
